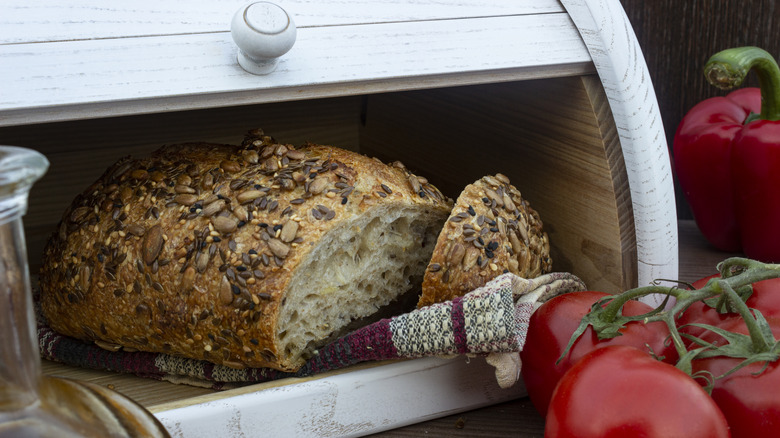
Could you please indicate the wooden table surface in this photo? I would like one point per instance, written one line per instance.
(516, 418)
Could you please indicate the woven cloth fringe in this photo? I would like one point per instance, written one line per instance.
(488, 320)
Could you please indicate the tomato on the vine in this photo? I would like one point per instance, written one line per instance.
(553, 324)
(620, 391)
(765, 298)
(748, 397)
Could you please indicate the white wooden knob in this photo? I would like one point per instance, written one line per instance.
(263, 32)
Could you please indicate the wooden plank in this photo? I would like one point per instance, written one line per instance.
(97, 78)
(389, 394)
(54, 20)
(607, 33)
(356, 403)
(145, 391)
(555, 140)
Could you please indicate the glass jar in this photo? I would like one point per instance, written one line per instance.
(31, 404)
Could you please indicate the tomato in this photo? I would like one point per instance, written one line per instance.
(552, 325)
(749, 400)
(765, 298)
(620, 391)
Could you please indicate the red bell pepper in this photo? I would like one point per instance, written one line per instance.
(727, 157)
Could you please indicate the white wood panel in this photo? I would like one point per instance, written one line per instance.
(351, 404)
(23, 21)
(623, 72)
(92, 78)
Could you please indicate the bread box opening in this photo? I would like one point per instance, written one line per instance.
(555, 138)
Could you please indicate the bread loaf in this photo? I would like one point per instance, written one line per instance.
(492, 230)
(246, 256)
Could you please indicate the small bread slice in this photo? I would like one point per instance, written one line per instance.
(490, 231)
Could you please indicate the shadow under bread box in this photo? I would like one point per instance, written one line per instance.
(554, 94)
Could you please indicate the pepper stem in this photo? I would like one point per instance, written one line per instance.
(727, 69)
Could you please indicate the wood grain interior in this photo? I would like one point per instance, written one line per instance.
(554, 138)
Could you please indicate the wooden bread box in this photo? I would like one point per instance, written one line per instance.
(554, 94)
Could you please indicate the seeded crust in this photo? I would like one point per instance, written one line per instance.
(245, 256)
(491, 230)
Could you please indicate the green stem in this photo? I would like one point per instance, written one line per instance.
(748, 271)
(727, 69)
(736, 272)
(617, 302)
(668, 318)
(760, 344)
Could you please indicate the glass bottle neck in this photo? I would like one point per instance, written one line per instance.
(20, 368)
(19, 356)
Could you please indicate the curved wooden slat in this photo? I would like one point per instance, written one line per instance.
(621, 67)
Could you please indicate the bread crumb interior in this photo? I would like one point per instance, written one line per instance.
(356, 269)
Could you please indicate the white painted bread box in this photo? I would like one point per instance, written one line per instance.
(555, 94)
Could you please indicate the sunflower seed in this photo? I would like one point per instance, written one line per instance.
(318, 185)
(225, 224)
(183, 189)
(470, 259)
(136, 230)
(186, 199)
(230, 166)
(237, 184)
(517, 246)
(250, 156)
(201, 262)
(499, 200)
(207, 182)
(153, 243)
(295, 155)
(187, 279)
(508, 204)
(107, 345)
(491, 180)
(139, 174)
(214, 207)
(225, 292)
(79, 214)
(456, 254)
(289, 230)
(415, 183)
(240, 213)
(249, 196)
(278, 248)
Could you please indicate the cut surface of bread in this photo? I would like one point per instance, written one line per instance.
(362, 265)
